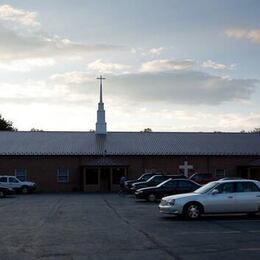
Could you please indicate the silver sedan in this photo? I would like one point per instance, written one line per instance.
(226, 196)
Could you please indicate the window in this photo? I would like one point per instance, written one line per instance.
(184, 184)
(3, 179)
(226, 187)
(220, 173)
(91, 177)
(159, 179)
(146, 176)
(63, 175)
(170, 184)
(247, 187)
(117, 173)
(21, 174)
(13, 180)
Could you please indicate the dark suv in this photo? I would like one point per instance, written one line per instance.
(143, 177)
(154, 181)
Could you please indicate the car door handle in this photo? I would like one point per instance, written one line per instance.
(230, 197)
(258, 196)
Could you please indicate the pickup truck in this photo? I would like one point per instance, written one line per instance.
(19, 186)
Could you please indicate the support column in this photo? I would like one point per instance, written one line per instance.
(99, 179)
(84, 179)
(111, 178)
(249, 173)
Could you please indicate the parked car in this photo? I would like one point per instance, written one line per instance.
(4, 191)
(231, 178)
(228, 196)
(143, 177)
(202, 178)
(153, 181)
(19, 186)
(166, 188)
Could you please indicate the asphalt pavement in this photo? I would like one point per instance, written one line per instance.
(112, 226)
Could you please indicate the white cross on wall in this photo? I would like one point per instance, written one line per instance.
(186, 167)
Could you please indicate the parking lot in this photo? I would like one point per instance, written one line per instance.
(109, 226)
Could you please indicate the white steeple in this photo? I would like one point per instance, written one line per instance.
(101, 125)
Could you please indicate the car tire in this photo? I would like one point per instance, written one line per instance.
(151, 197)
(2, 195)
(24, 190)
(193, 211)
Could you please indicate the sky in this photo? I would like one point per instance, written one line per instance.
(169, 65)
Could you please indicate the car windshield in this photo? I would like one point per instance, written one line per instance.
(151, 178)
(145, 177)
(206, 187)
(162, 183)
(141, 177)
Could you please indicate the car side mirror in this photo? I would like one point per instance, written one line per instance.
(214, 192)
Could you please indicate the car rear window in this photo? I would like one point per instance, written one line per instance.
(247, 187)
(184, 184)
(3, 179)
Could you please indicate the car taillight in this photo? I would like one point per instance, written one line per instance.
(172, 202)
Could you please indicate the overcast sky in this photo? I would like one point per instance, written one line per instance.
(170, 65)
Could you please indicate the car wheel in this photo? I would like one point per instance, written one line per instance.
(2, 194)
(25, 190)
(151, 197)
(193, 211)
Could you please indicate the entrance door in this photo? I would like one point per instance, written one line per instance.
(255, 173)
(105, 179)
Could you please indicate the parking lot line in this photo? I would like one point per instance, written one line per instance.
(236, 221)
(250, 249)
(208, 232)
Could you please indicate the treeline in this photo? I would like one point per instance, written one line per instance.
(7, 125)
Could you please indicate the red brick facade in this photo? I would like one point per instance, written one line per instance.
(43, 169)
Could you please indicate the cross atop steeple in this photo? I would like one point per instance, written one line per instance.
(101, 126)
(101, 94)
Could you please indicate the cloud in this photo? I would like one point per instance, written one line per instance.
(217, 66)
(73, 77)
(238, 33)
(166, 65)
(42, 92)
(190, 120)
(185, 87)
(23, 38)
(107, 67)
(26, 65)
(18, 16)
(156, 51)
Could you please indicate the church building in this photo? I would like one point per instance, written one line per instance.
(95, 161)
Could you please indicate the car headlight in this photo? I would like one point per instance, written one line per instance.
(139, 191)
(172, 202)
(164, 202)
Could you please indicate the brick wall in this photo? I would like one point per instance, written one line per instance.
(43, 169)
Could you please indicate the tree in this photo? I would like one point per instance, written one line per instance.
(256, 130)
(36, 130)
(147, 130)
(6, 125)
